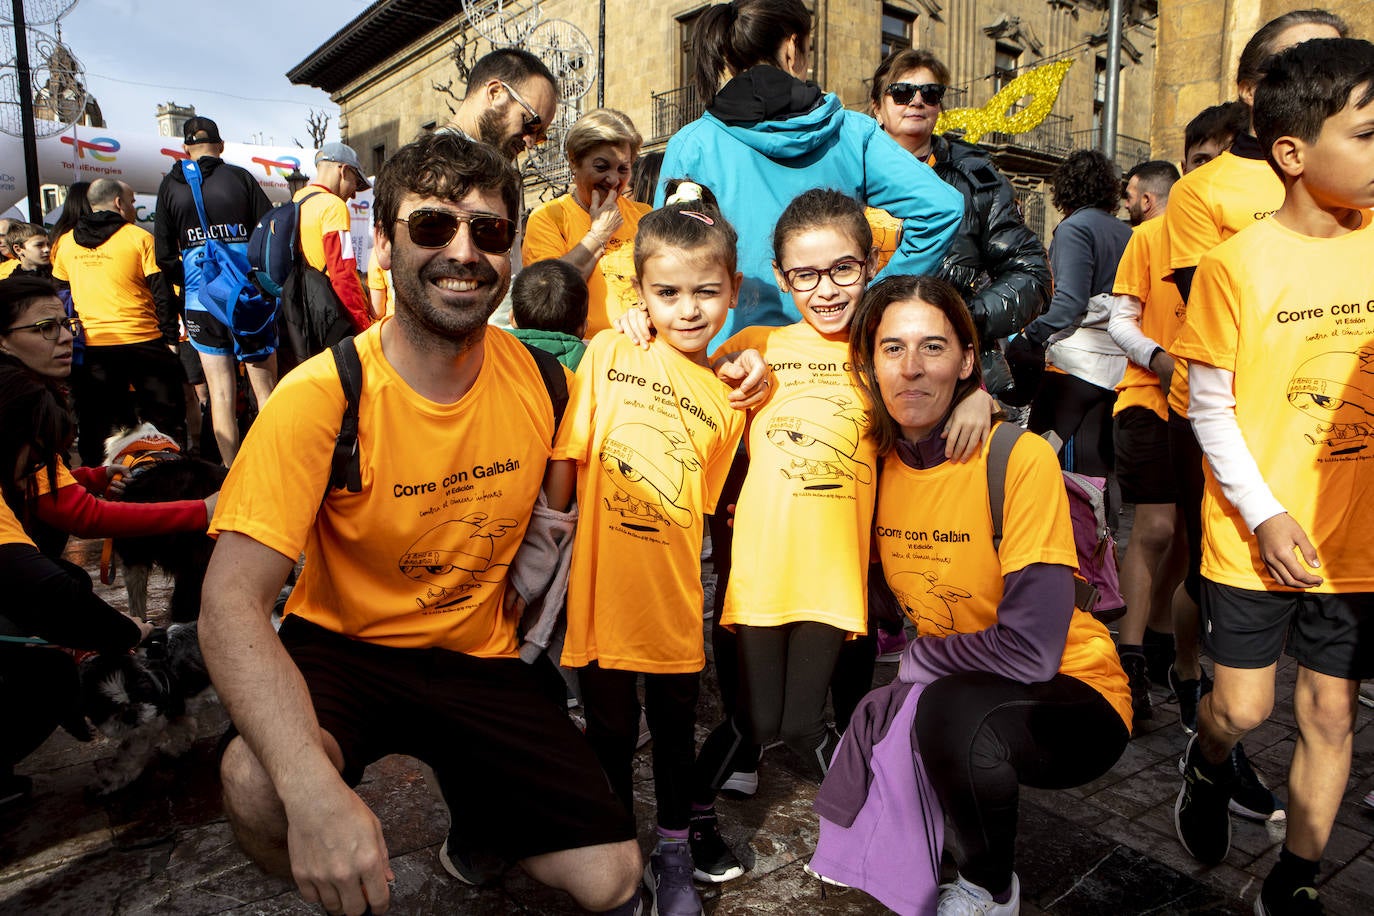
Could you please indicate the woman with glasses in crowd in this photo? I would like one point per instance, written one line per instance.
(592, 227)
(36, 336)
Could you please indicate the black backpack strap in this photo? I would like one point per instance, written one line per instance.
(999, 456)
(345, 469)
(555, 381)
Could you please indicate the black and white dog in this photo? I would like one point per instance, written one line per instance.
(158, 473)
(148, 701)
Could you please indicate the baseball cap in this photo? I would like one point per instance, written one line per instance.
(343, 154)
(201, 130)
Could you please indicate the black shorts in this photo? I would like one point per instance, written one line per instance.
(1142, 457)
(190, 363)
(520, 779)
(1328, 634)
(209, 335)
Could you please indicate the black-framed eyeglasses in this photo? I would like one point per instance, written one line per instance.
(436, 228)
(531, 123)
(50, 328)
(841, 273)
(931, 93)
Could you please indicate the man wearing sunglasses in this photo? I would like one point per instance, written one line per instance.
(995, 261)
(509, 103)
(400, 635)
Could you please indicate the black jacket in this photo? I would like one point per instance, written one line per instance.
(234, 202)
(995, 261)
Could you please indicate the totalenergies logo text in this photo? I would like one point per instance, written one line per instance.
(102, 149)
(284, 166)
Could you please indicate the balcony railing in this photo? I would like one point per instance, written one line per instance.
(1129, 150)
(674, 110)
(1053, 137)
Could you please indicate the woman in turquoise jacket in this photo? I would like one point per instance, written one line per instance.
(767, 135)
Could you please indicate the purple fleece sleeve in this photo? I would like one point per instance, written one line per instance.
(1026, 644)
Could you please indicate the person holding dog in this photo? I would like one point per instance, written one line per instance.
(47, 600)
(36, 336)
(418, 653)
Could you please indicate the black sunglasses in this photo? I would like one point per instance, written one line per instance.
(531, 121)
(436, 228)
(50, 328)
(931, 93)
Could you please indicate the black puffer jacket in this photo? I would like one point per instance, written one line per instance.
(995, 261)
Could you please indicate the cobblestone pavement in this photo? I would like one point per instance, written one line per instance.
(162, 845)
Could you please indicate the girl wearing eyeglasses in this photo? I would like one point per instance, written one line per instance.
(592, 227)
(37, 335)
(995, 261)
(767, 134)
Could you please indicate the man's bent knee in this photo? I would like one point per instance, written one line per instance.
(599, 878)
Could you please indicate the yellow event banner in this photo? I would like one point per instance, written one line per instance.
(1041, 85)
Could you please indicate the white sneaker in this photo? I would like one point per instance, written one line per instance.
(822, 878)
(963, 898)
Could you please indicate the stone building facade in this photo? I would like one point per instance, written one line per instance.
(393, 69)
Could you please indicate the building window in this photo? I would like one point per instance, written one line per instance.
(378, 158)
(898, 27)
(1099, 91)
(687, 58)
(1005, 61)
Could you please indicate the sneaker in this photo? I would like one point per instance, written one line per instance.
(1189, 693)
(1134, 665)
(891, 645)
(1201, 818)
(1159, 654)
(1301, 902)
(712, 860)
(963, 898)
(822, 878)
(1251, 798)
(669, 879)
(472, 868)
(740, 785)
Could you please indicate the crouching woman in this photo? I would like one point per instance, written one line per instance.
(1007, 683)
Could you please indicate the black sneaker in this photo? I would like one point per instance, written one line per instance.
(1159, 654)
(1189, 694)
(712, 860)
(1135, 667)
(1250, 797)
(467, 866)
(1301, 901)
(1201, 818)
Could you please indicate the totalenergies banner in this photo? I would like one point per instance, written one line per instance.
(139, 159)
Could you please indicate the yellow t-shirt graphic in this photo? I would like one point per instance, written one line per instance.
(805, 515)
(652, 434)
(1301, 345)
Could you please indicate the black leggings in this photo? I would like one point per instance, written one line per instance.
(670, 703)
(1081, 411)
(103, 399)
(39, 689)
(982, 735)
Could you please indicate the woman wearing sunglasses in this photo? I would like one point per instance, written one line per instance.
(36, 336)
(767, 135)
(995, 262)
(592, 227)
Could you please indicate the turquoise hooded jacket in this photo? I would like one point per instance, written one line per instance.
(756, 170)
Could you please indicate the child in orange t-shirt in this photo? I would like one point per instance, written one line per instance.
(1281, 398)
(650, 434)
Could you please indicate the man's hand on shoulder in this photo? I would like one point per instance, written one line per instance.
(338, 854)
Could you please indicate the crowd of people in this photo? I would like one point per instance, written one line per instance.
(502, 478)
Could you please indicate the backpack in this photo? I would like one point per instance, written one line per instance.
(345, 468)
(1097, 587)
(227, 290)
(312, 317)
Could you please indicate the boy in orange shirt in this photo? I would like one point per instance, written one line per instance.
(651, 434)
(1281, 399)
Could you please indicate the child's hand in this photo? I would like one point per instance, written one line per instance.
(1278, 537)
(635, 324)
(748, 374)
(1162, 365)
(115, 474)
(968, 426)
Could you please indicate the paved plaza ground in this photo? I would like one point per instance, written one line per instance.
(162, 845)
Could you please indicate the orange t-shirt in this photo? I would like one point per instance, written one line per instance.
(934, 537)
(805, 515)
(38, 485)
(653, 434)
(418, 558)
(11, 532)
(556, 227)
(1293, 318)
(110, 287)
(1141, 273)
(1207, 206)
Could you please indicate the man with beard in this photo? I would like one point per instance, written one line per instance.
(326, 229)
(509, 103)
(400, 635)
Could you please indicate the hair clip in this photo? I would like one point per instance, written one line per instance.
(699, 216)
(685, 193)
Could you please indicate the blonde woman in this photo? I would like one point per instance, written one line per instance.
(593, 226)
